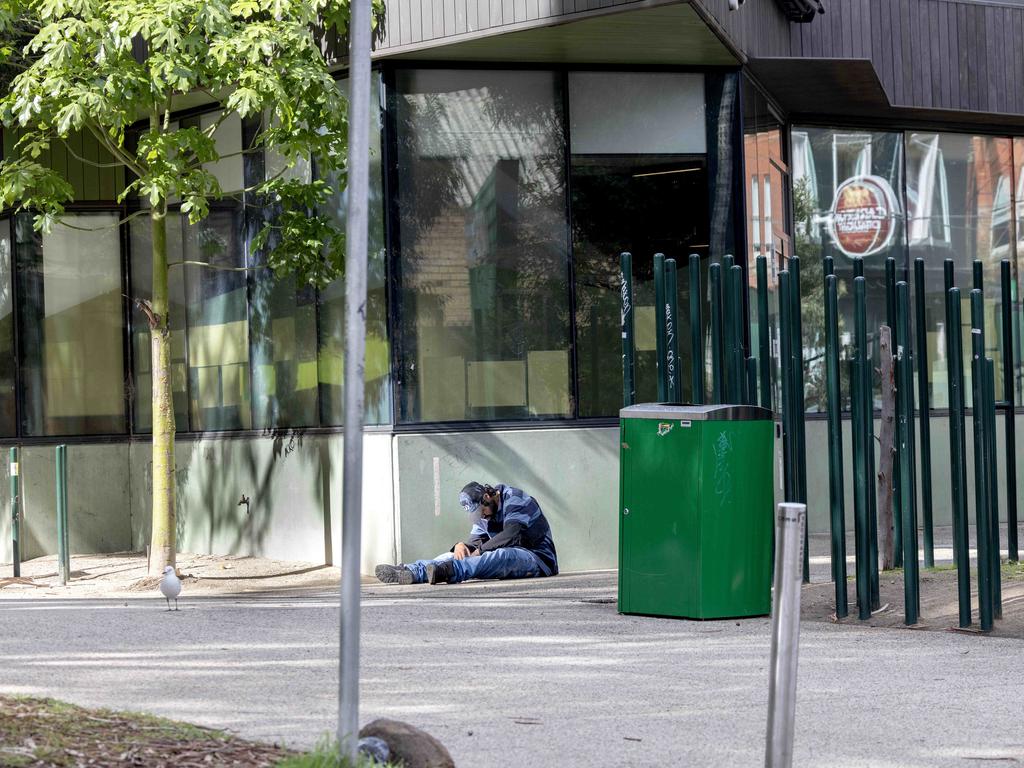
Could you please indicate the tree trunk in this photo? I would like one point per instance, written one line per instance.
(163, 546)
(886, 448)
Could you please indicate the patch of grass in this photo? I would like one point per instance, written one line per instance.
(325, 755)
(1013, 570)
(940, 568)
(45, 732)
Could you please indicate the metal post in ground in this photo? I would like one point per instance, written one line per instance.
(790, 523)
(357, 229)
(659, 325)
(797, 362)
(1009, 409)
(905, 392)
(751, 381)
(739, 364)
(627, 324)
(786, 375)
(993, 487)
(63, 534)
(15, 511)
(717, 374)
(764, 357)
(924, 404)
(696, 330)
(835, 444)
(728, 332)
(957, 457)
(985, 604)
(860, 453)
(674, 385)
(890, 320)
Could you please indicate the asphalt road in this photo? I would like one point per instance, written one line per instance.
(542, 673)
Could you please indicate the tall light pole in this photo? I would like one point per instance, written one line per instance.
(355, 350)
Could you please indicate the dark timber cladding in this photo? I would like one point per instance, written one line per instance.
(962, 55)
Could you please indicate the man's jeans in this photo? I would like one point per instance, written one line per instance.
(504, 563)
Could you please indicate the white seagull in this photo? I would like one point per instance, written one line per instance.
(170, 585)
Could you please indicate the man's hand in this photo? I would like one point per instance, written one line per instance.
(461, 551)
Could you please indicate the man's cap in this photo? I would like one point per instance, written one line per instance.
(471, 496)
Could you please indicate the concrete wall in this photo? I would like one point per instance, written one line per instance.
(410, 483)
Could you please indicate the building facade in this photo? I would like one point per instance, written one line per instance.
(519, 147)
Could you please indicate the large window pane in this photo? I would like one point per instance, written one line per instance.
(959, 203)
(331, 351)
(481, 196)
(640, 188)
(71, 321)
(218, 323)
(847, 189)
(141, 245)
(8, 417)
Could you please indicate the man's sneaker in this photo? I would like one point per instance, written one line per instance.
(393, 574)
(441, 573)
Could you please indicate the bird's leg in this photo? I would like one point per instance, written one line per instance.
(168, 603)
(175, 603)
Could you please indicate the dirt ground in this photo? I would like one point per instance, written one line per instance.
(124, 575)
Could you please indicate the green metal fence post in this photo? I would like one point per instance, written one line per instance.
(957, 459)
(15, 470)
(868, 415)
(923, 403)
(981, 498)
(785, 336)
(1010, 409)
(739, 358)
(696, 330)
(993, 487)
(797, 362)
(751, 381)
(890, 320)
(63, 534)
(860, 453)
(659, 325)
(978, 269)
(717, 382)
(728, 333)
(674, 386)
(904, 387)
(628, 343)
(764, 356)
(835, 444)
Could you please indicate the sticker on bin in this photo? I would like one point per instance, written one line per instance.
(664, 428)
(685, 423)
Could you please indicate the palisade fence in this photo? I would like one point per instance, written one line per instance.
(718, 346)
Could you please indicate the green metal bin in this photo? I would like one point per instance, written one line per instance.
(696, 497)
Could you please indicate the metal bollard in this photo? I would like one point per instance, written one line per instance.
(739, 358)
(957, 452)
(659, 325)
(63, 543)
(835, 444)
(790, 522)
(626, 315)
(924, 408)
(674, 386)
(696, 330)
(717, 375)
(764, 357)
(15, 512)
(897, 504)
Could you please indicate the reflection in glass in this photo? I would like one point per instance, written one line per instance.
(71, 321)
(484, 267)
(959, 207)
(331, 346)
(8, 416)
(847, 192)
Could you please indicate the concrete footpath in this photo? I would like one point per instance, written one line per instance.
(542, 673)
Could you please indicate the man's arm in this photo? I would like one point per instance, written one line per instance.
(509, 537)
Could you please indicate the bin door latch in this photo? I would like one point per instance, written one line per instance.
(625, 511)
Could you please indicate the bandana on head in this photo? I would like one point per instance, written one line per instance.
(471, 506)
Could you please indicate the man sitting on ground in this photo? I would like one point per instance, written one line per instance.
(510, 539)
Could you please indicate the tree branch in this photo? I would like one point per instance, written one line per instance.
(118, 223)
(214, 266)
(81, 159)
(129, 162)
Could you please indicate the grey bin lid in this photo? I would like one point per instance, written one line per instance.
(672, 412)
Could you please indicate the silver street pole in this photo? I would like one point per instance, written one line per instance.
(355, 350)
(790, 520)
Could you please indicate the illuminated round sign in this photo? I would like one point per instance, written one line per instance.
(862, 220)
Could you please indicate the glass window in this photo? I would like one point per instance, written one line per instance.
(959, 207)
(141, 244)
(331, 347)
(636, 189)
(8, 416)
(483, 244)
(216, 305)
(847, 188)
(72, 326)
